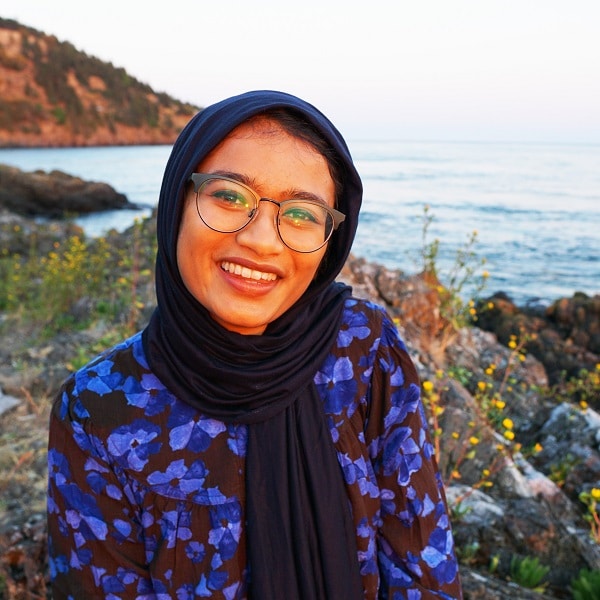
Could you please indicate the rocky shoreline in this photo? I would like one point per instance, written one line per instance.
(516, 497)
(55, 194)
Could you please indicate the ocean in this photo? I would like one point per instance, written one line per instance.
(535, 207)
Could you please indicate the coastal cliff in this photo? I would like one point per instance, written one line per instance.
(52, 95)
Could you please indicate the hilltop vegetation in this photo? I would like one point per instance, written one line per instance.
(52, 94)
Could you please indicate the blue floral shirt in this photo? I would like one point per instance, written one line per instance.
(146, 495)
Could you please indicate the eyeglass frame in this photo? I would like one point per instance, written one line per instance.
(200, 178)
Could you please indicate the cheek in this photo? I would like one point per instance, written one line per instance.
(189, 240)
(312, 267)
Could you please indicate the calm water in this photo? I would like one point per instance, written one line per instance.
(536, 208)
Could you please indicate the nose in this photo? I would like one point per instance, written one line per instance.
(261, 233)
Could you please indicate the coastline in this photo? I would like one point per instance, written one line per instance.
(537, 225)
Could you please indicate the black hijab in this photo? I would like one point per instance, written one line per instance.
(301, 538)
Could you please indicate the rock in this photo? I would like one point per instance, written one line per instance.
(480, 586)
(7, 402)
(55, 194)
(22, 235)
(565, 337)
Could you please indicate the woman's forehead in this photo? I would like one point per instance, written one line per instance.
(262, 131)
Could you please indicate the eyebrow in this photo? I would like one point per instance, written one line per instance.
(291, 194)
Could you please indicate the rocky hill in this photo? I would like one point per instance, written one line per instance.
(52, 94)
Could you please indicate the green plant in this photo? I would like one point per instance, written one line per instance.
(560, 470)
(529, 572)
(591, 499)
(585, 388)
(468, 553)
(453, 284)
(460, 374)
(79, 282)
(60, 115)
(586, 586)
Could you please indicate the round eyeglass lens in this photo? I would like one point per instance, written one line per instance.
(225, 205)
(304, 226)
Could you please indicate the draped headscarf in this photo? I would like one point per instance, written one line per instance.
(300, 535)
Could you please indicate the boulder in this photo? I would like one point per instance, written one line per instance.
(55, 194)
(565, 336)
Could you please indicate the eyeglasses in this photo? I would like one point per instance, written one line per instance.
(226, 205)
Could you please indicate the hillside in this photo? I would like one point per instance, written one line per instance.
(52, 94)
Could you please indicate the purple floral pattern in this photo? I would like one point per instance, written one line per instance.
(146, 495)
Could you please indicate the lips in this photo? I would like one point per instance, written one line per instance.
(247, 273)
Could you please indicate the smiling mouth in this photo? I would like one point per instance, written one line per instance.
(247, 273)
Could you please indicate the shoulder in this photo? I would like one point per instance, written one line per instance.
(115, 383)
(369, 323)
(370, 338)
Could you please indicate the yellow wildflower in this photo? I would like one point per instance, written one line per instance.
(583, 404)
(482, 385)
(473, 440)
(486, 472)
(489, 371)
(595, 493)
(428, 386)
(508, 423)
(485, 275)
(538, 447)
(509, 435)
(500, 404)
(512, 344)
(455, 435)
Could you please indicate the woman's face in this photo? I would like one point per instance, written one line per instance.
(249, 278)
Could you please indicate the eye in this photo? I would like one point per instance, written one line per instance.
(301, 215)
(226, 195)
(235, 199)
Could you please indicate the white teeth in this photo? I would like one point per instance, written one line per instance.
(247, 273)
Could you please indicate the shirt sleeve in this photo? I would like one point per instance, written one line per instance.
(95, 540)
(415, 546)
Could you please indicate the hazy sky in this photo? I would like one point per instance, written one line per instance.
(398, 69)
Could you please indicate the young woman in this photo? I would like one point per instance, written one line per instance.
(264, 436)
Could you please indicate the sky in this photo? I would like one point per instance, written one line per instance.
(418, 70)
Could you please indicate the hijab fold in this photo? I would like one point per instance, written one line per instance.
(300, 534)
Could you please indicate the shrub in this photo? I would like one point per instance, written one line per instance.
(586, 586)
(528, 572)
